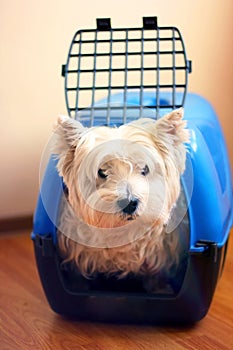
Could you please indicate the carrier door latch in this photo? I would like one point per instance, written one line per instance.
(103, 24)
(150, 23)
(211, 248)
(45, 243)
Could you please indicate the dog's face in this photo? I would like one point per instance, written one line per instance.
(118, 175)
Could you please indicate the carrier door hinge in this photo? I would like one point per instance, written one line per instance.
(211, 248)
(189, 66)
(63, 70)
(45, 243)
(103, 24)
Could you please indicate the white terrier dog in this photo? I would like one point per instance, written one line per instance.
(122, 184)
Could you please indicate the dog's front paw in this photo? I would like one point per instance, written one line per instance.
(157, 284)
(73, 280)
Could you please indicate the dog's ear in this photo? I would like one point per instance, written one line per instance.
(171, 130)
(67, 135)
(68, 132)
(172, 127)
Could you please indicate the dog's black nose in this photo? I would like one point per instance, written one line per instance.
(128, 206)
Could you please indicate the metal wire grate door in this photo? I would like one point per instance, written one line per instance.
(129, 62)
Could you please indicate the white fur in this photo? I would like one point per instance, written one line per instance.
(93, 231)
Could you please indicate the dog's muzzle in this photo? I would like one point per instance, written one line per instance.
(128, 206)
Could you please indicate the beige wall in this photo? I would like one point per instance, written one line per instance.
(34, 39)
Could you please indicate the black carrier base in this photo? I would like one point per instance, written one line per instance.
(189, 305)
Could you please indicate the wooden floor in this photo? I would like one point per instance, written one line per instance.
(27, 322)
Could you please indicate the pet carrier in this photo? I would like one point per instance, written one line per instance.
(113, 76)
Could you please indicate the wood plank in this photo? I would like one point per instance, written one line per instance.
(27, 322)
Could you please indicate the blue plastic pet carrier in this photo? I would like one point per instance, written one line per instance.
(113, 76)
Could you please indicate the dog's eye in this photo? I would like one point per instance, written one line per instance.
(145, 170)
(102, 174)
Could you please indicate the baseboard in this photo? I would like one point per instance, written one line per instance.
(16, 223)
